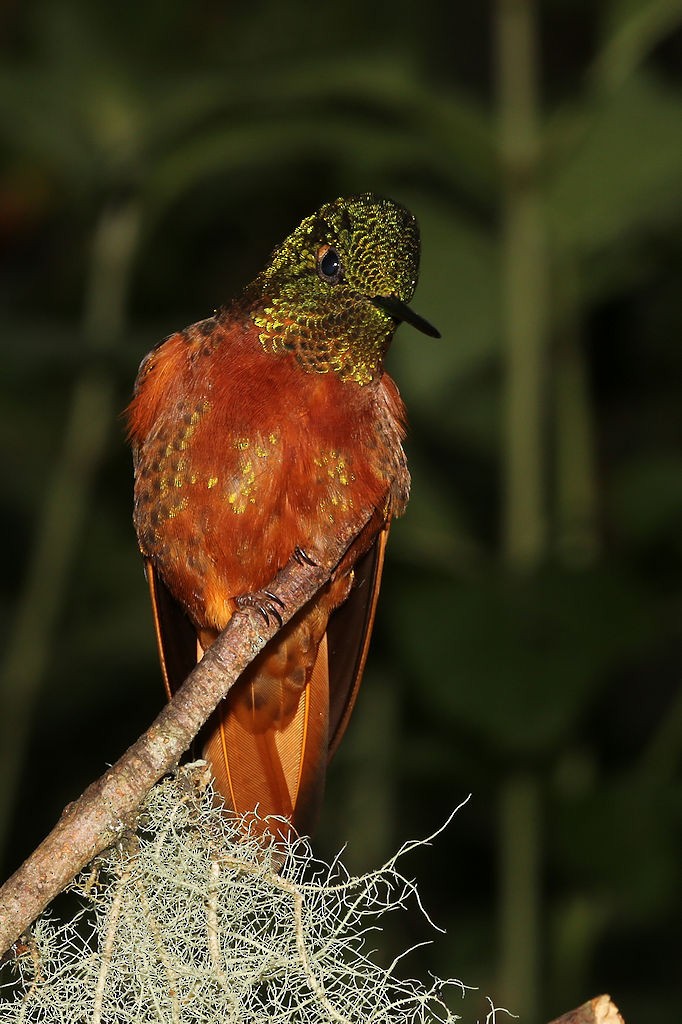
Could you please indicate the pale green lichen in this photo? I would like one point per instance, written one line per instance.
(190, 920)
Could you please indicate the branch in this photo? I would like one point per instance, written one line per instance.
(600, 1010)
(97, 818)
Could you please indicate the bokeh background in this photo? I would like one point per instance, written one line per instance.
(528, 647)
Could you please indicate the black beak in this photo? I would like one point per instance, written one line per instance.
(401, 311)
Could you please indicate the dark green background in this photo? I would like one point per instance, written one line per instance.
(528, 642)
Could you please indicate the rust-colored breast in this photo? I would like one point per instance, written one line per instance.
(241, 456)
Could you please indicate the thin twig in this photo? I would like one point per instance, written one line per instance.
(108, 945)
(161, 952)
(315, 983)
(213, 925)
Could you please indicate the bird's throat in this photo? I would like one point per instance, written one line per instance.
(325, 341)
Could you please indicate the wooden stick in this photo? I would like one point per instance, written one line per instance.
(600, 1010)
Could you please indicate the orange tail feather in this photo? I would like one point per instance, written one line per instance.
(273, 762)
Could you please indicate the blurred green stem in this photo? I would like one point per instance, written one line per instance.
(524, 275)
(525, 301)
(520, 895)
(576, 491)
(67, 496)
(626, 47)
(578, 925)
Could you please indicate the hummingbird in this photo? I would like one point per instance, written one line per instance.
(257, 435)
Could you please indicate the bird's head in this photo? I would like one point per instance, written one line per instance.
(335, 290)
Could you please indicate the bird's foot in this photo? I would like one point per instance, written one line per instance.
(302, 557)
(265, 602)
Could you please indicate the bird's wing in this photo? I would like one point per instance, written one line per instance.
(176, 637)
(348, 635)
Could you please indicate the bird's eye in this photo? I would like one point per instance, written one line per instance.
(328, 264)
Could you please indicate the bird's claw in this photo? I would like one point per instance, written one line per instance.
(265, 602)
(302, 557)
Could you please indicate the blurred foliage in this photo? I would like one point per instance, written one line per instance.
(209, 130)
